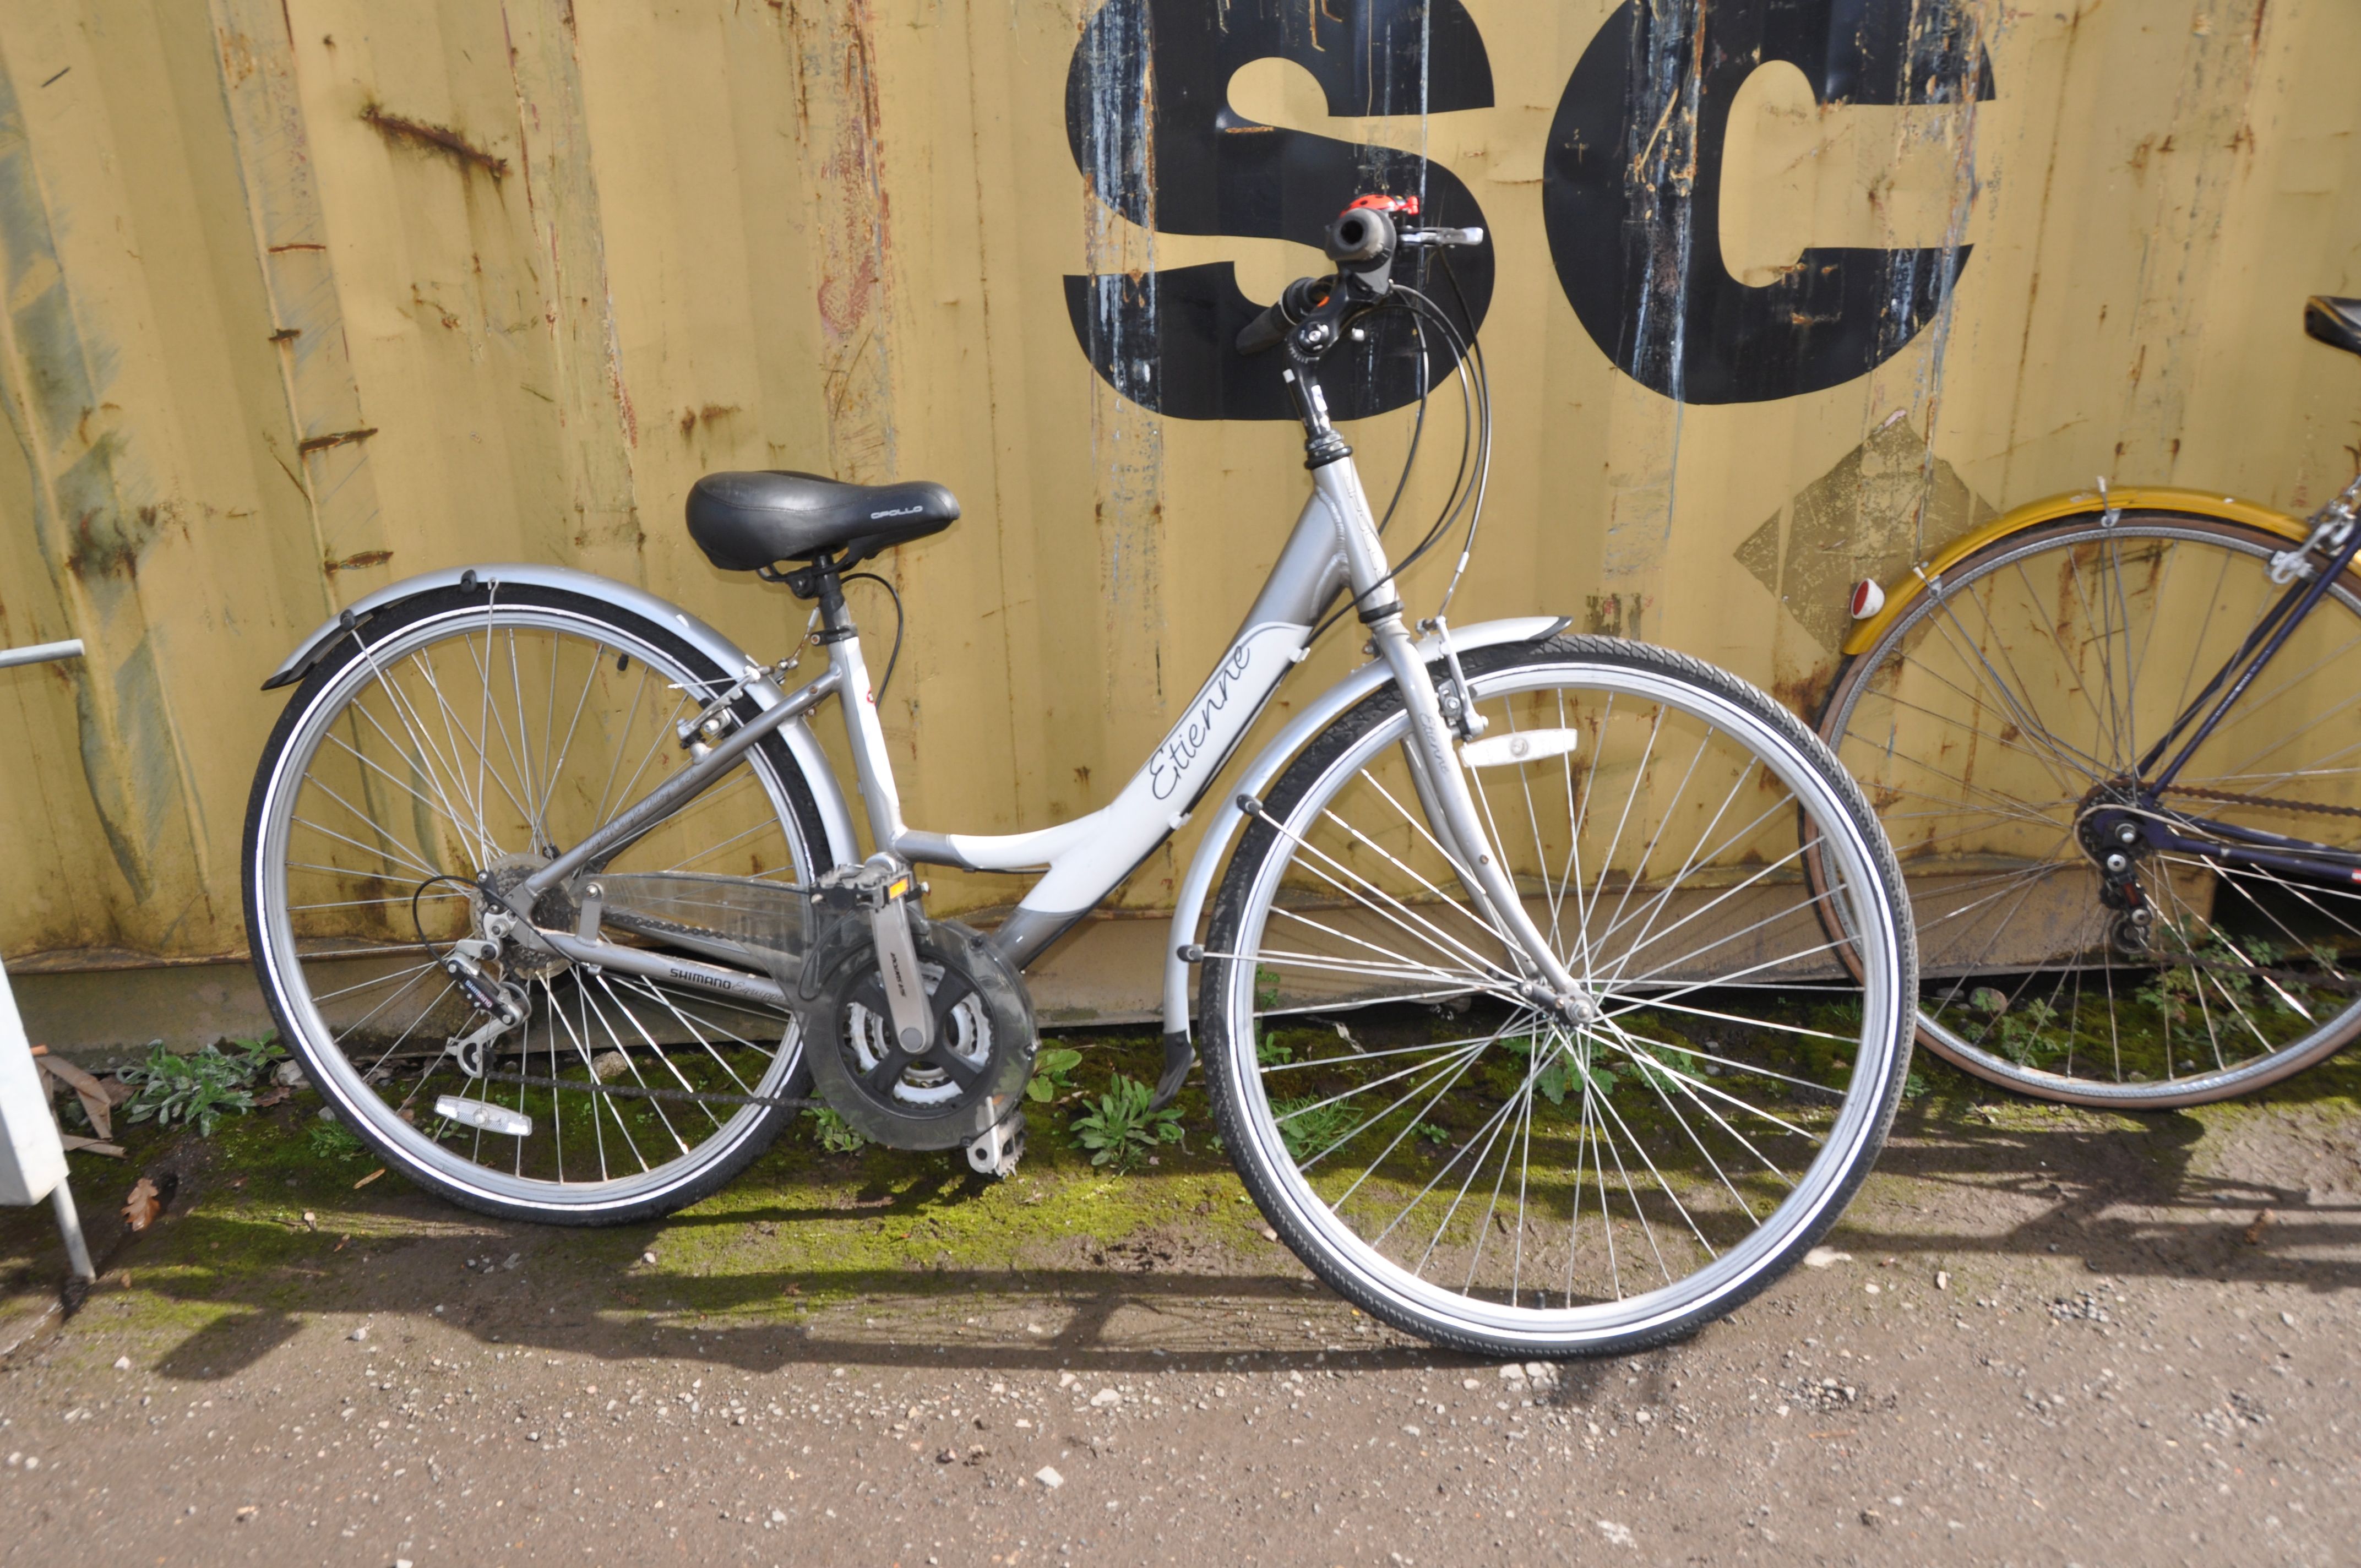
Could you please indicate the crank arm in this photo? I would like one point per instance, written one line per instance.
(897, 964)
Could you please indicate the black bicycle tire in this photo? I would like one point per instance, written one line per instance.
(1261, 839)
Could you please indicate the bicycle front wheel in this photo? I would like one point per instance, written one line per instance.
(462, 740)
(1996, 713)
(1486, 1174)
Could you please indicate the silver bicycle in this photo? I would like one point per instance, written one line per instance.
(1523, 1023)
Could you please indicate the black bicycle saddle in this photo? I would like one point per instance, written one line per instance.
(2334, 321)
(746, 521)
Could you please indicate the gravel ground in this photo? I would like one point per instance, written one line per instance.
(2040, 1336)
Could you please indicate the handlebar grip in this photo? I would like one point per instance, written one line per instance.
(1265, 331)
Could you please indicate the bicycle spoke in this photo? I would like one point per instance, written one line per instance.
(1521, 1163)
(488, 740)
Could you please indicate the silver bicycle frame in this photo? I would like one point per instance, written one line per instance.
(1335, 543)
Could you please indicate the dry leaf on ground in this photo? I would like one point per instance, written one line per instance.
(140, 1208)
(97, 1104)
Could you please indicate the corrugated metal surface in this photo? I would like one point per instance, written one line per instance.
(302, 297)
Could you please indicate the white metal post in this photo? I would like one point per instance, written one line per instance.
(32, 1159)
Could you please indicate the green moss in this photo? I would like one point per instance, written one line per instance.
(804, 1229)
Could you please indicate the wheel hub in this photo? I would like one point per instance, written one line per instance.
(493, 887)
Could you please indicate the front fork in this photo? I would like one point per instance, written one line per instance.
(1434, 756)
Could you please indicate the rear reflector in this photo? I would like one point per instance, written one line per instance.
(1868, 598)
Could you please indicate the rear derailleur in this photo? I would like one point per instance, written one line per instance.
(501, 1003)
(2113, 840)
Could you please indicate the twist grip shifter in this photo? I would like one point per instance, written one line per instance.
(1299, 299)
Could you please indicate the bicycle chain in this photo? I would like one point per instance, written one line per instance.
(641, 1091)
(2266, 802)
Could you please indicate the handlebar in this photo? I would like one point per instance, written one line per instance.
(1353, 234)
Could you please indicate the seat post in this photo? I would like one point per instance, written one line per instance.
(820, 580)
(871, 762)
(835, 616)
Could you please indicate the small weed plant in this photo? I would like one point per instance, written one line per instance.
(1053, 1075)
(2020, 1031)
(836, 1134)
(1311, 1129)
(1119, 1130)
(199, 1089)
(333, 1140)
(1562, 1075)
(1663, 1067)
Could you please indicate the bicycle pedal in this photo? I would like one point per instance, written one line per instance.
(484, 1115)
(996, 1149)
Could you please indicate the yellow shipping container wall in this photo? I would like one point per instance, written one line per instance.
(303, 298)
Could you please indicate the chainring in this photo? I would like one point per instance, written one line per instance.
(971, 1075)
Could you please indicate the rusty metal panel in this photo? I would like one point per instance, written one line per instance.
(301, 297)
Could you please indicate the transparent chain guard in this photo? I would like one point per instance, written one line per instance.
(989, 1023)
(739, 920)
(817, 944)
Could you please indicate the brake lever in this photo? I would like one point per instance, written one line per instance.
(1439, 236)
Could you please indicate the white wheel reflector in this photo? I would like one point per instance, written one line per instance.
(1525, 746)
(1868, 598)
(480, 1114)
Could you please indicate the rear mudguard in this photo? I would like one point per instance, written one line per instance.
(1214, 849)
(801, 743)
(1905, 590)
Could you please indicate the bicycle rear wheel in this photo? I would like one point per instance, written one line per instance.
(1992, 715)
(466, 736)
(1466, 1167)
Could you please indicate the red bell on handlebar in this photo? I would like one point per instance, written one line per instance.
(1406, 206)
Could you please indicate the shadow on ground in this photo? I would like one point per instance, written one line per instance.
(881, 1258)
